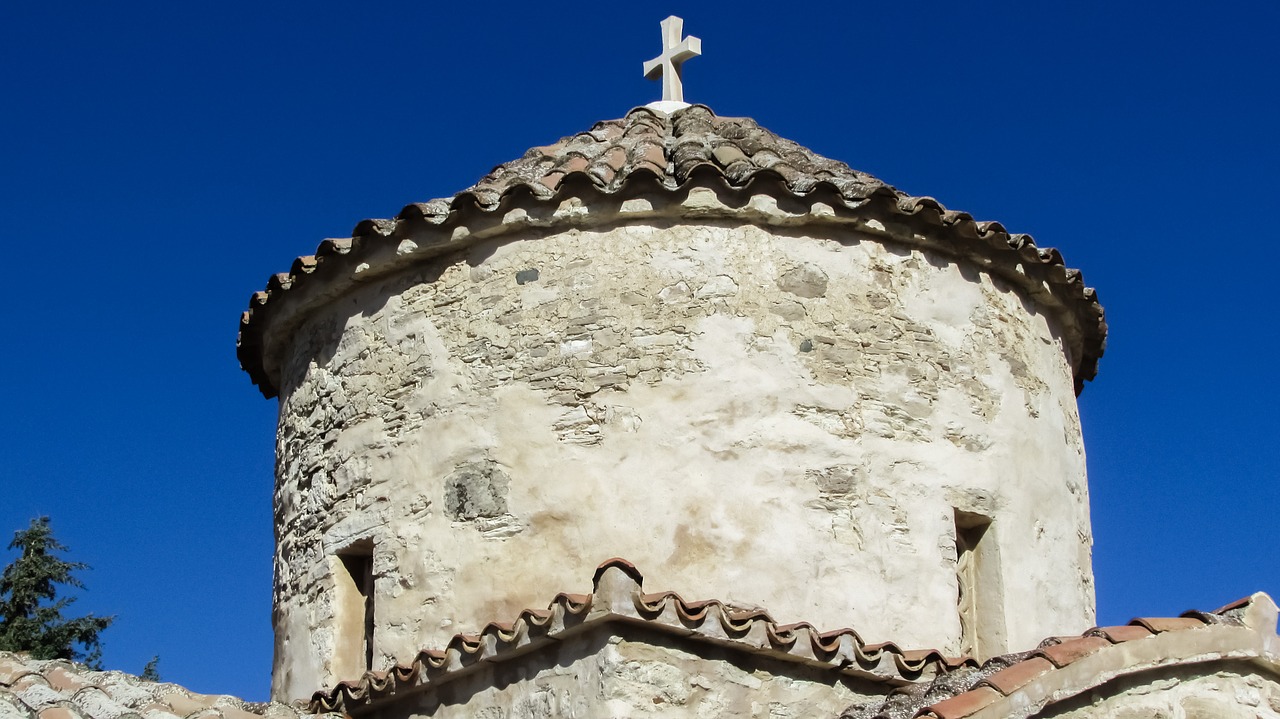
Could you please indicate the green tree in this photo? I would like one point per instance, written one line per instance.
(31, 612)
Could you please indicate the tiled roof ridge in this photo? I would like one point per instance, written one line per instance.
(672, 148)
(619, 162)
(618, 596)
(63, 689)
(1246, 627)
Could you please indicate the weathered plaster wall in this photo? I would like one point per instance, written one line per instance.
(601, 676)
(1185, 692)
(763, 416)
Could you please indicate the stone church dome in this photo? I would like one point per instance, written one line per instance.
(649, 150)
(835, 424)
(682, 340)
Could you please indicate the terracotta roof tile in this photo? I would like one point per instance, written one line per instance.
(62, 679)
(667, 154)
(618, 596)
(1007, 680)
(1116, 635)
(1062, 654)
(1168, 624)
(59, 689)
(966, 692)
(1240, 603)
(963, 705)
(11, 669)
(57, 713)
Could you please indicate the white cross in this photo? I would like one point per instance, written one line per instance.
(674, 52)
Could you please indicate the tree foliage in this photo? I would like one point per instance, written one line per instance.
(31, 612)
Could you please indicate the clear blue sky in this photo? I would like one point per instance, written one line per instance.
(159, 160)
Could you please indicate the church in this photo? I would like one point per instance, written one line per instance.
(674, 417)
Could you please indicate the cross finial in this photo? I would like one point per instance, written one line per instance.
(674, 52)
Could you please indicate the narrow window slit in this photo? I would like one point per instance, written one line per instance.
(973, 570)
(355, 606)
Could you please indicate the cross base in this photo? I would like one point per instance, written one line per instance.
(667, 107)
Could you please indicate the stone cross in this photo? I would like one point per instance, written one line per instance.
(674, 52)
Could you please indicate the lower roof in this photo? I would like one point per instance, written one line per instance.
(618, 598)
(919, 682)
(1062, 668)
(61, 689)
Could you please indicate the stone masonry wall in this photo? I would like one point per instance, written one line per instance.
(602, 676)
(1183, 692)
(759, 415)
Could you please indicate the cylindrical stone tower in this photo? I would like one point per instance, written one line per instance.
(757, 374)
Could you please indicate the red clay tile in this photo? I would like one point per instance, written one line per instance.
(834, 634)
(960, 661)
(430, 659)
(830, 641)
(609, 131)
(779, 636)
(354, 691)
(788, 633)
(882, 646)
(621, 564)
(1126, 633)
(919, 655)
(1067, 652)
(64, 681)
(378, 681)
(10, 671)
(1168, 624)
(1241, 602)
(465, 643)
(615, 158)
(741, 623)
(654, 155)
(603, 172)
(655, 600)
(1014, 677)
(57, 713)
(575, 163)
(551, 180)
(963, 705)
(574, 603)
(694, 611)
